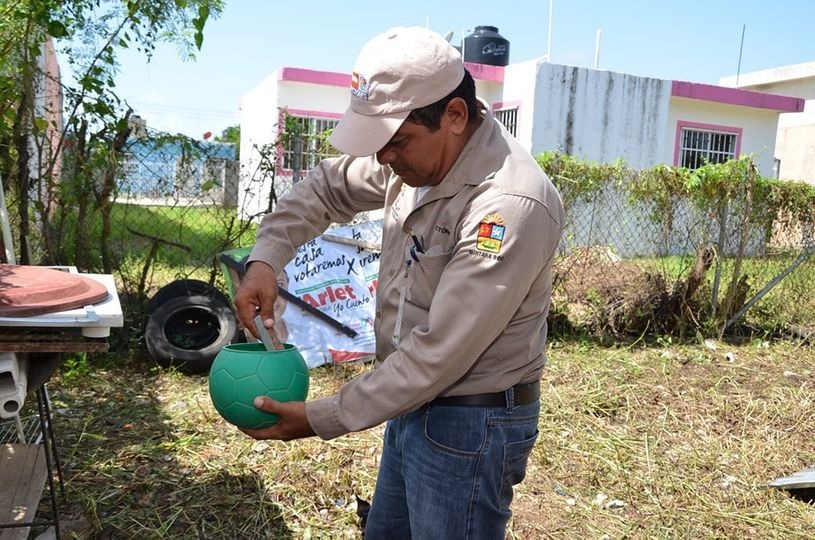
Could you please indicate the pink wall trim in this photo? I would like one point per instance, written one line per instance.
(484, 72)
(327, 78)
(506, 105)
(481, 72)
(704, 127)
(312, 114)
(736, 96)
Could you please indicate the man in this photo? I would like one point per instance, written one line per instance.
(471, 227)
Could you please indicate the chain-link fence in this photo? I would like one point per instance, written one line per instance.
(177, 202)
(635, 258)
(633, 264)
(154, 209)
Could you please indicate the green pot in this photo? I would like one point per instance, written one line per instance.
(243, 371)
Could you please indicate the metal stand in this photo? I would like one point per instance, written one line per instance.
(42, 434)
(51, 454)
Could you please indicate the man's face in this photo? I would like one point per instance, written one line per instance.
(417, 154)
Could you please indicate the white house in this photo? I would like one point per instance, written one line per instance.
(596, 115)
(795, 143)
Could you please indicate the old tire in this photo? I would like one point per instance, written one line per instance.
(186, 332)
(184, 287)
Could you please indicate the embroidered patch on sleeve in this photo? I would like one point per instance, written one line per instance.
(491, 233)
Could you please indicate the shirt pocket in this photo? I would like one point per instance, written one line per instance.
(424, 276)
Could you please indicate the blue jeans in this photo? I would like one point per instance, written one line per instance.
(448, 472)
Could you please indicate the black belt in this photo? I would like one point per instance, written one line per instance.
(523, 393)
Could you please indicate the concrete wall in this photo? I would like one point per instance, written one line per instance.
(795, 144)
(489, 91)
(258, 127)
(519, 91)
(803, 88)
(313, 98)
(795, 150)
(600, 115)
(795, 140)
(794, 80)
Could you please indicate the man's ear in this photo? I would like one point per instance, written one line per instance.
(457, 114)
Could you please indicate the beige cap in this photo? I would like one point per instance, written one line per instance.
(396, 72)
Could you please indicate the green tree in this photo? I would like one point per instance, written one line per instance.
(232, 134)
(90, 34)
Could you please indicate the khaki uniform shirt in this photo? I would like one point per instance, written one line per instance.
(473, 304)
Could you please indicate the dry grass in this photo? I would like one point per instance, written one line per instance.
(682, 437)
(675, 441)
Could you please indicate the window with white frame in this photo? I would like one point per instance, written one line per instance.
(304, 143)
(508, 117)
(700, 146)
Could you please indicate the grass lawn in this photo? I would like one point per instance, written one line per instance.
(662, 442)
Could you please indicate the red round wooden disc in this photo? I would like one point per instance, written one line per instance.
(35, 290)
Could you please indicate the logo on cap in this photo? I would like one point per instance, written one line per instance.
(359, 86)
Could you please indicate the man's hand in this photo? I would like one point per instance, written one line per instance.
(257, 293)
(291, 420)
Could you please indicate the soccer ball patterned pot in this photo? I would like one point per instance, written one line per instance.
(243, 371)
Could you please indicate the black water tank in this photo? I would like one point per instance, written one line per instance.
(486, 46)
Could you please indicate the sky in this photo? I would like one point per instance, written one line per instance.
(690, 40)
